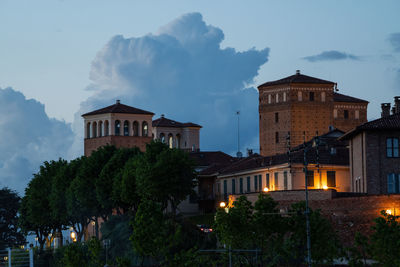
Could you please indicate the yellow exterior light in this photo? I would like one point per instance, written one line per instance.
(5, 258)
(222, 204)
(93, 223)
(73, 236)
(266, 189)
(388, 211)
(324, 187)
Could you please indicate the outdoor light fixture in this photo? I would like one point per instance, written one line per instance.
(222, 204)
(388, 211)
(324, 187)
(73, 236)
(266, 189)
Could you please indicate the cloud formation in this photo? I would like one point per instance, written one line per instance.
(29, 137)
(330, 56)
(182, 72)
(394, 40)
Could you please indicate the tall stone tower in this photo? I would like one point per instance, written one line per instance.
(119, 125)
(298, 107)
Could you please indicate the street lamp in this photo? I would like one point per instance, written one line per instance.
(222, 204)
(73, 236)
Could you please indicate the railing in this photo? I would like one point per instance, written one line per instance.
(16, 258)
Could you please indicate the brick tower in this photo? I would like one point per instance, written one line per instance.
(119, 125)
(301, 107)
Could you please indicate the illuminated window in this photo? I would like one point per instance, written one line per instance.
(392, 147)
(170, 141)
(145, 130)
(117, 127)
(267, 180)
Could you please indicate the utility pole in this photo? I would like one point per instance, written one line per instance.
(238, 154)
(307, 208)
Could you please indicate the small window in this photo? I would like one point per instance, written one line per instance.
(88, 130)
(269, 99)
(284, 96)
(248, 184)
(225, 187)
(276, 137)
(255, 183)
(346, 114)
(311, 96)
(310, 178)
(323, 97)
(241, 185)
(145, 130)
(126, 128)
(285, 181)
(233, 186)
(393, 183)
(331, 178)
(276, 184)
(357, 114)
(300, 96)
(267, 180)
(276, 117)
(259, 183)
(392, 147)
(117, 127)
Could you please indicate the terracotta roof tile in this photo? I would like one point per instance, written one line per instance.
(297, 78)
(164, 122)
(345, 98)
(118, 108)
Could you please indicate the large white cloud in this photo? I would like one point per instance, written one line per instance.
(182, 72)
(29, 137)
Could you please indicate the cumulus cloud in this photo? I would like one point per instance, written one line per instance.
(180, 71)
(330, 56)
(29, 137)
(394, 40)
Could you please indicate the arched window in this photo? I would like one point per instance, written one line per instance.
(106, 127)
(170, 141)
(178, 141)
(117, 127)
(100, 128)
(135, 128)
(162, 138)
(88, 130)
(145, 130)
(94, 129)
(126, 128)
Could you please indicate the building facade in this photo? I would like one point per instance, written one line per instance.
(297, 108)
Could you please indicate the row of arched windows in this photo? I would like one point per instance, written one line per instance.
(169, 140)
(99, 129)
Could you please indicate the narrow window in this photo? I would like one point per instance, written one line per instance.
(170, 141)
(310, 178)
(259, 183)
(276, 117)
(88, 130)
(277, 98)
(135, 128)
(335, 113)
(94, 129)
(331, 178)
(311, 96)
(178, 141)
(126, 128)
(276, 137)
(248, 184)
(233, 186)
(285, 182)
(145, 129)
(117, 127)
(300, 96)
(392, 147)
(255, 183)
(241, 185)
(225, 188)
(323, 96)
(162, 138)
(100, 129)
(106, 127)
(267, 180)
(391, 183)
(284, 96)
(276, 184)
(357, 114)
(269, 99)
(346, 114)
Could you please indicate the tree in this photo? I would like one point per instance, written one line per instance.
(324, 243)
(125, 191)
(35, 208)
(165, 175)
(385, 241)
(108, 184)
(234, 228)
(10, 234)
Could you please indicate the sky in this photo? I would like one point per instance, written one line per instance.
(197, 61)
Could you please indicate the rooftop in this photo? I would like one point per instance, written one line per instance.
(345, 98)
(297, 78)
(118, 108)
(164, 122)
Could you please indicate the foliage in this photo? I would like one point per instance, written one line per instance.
(10, 235)
(75, 255)
(359, 252)
(385, 241)
(125, 190)
(324, 243)
(235, 227)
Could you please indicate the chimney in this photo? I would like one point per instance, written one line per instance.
(385, 110)
(162, 115)
(397, 104)
(118, 101)
(297, 72)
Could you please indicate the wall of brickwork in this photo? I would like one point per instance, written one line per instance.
(348, 215)
(92, 144)
(347, 124)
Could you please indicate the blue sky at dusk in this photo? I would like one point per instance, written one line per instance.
(196, 61)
